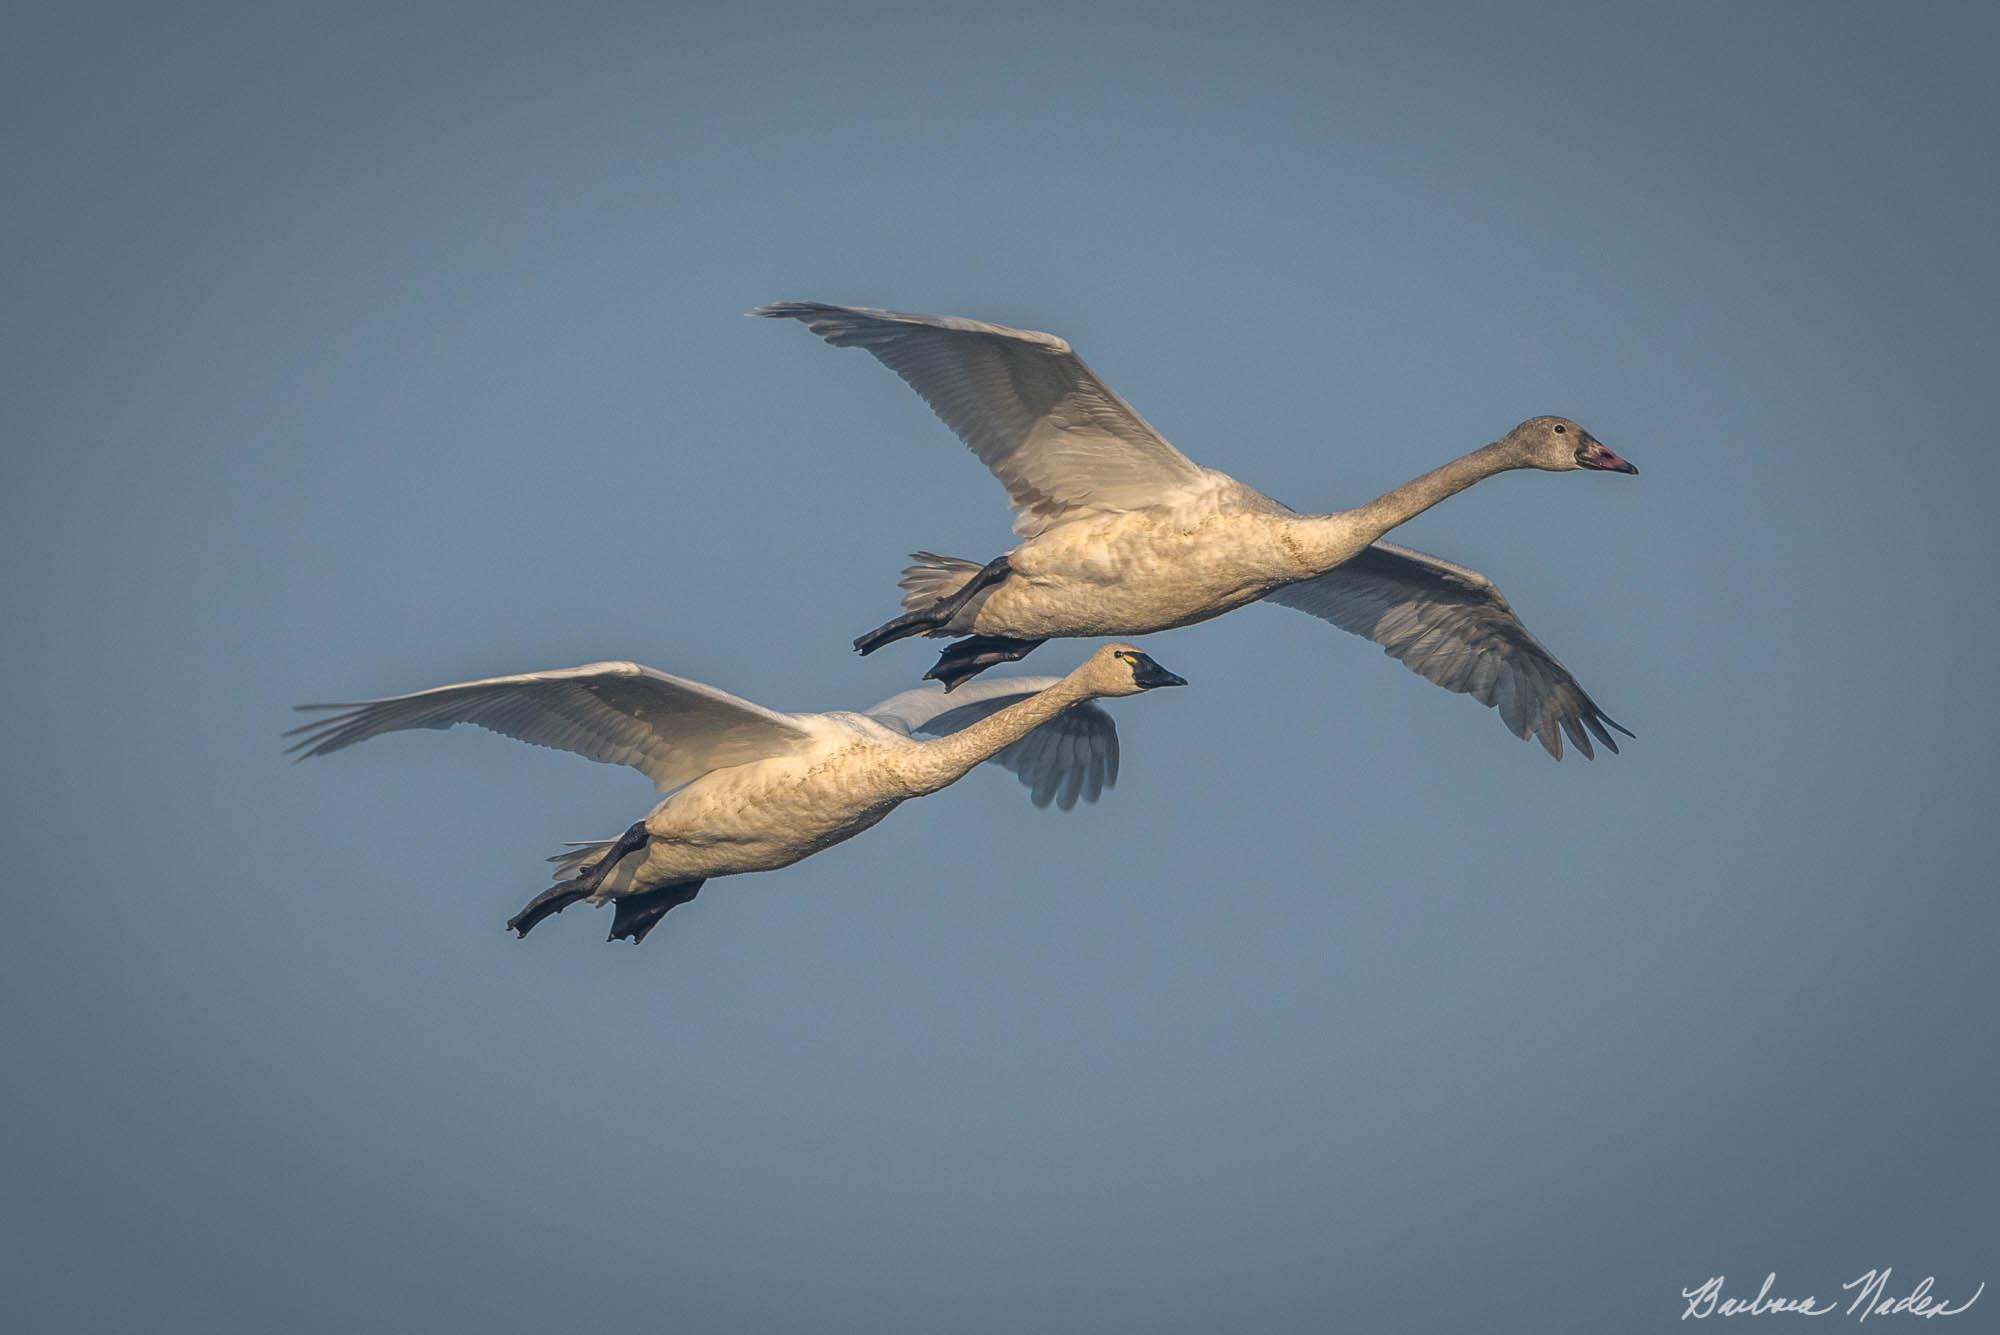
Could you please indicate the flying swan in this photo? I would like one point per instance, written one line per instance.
(1124, 535)
(750, 788)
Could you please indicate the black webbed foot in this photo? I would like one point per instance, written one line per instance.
(969, 657)
(910, 623)
(635, 915)
(548, 903)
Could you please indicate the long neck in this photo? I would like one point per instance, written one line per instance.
(1331, 539)
(932, 765)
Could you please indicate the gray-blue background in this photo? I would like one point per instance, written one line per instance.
(351, 349)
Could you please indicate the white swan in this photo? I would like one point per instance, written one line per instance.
(753, 789)
(1124, 535)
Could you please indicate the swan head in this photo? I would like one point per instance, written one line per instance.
(1123, 669)
(1558, 445)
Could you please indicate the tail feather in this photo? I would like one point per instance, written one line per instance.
(573, 857)
(570, 863)
(934, 577)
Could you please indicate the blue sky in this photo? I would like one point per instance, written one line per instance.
(356, 350)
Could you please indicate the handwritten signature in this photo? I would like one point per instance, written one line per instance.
(1870, 1290)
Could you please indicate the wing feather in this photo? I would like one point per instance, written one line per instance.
(1451, 626)
(1055, 435)
(668, 728)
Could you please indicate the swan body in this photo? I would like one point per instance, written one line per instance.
(1122, 534)
(770, 813)
(752, 789)
(1171, 565)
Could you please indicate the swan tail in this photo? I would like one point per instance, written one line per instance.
(577, 862)
(575, 857)
(934, 577)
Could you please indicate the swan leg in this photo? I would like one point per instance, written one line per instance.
(581, 886)
(939, 614)
(969, 657)
(634, 915)
(551, 901)
(592, 875)
(910, 623)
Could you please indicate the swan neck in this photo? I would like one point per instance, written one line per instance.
(944, 761)
(1338, 537)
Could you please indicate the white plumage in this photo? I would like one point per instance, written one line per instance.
(754, 789)
(1124, 535)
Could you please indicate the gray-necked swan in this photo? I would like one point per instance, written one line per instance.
(1124, 535)
(750, 788)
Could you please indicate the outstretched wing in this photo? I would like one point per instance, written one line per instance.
(1451, 625)
(1074, 754)
(668, 728)
(1051, 431)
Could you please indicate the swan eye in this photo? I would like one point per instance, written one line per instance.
(1560, 428)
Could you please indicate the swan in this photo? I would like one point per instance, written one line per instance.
(749, 788)
(1124, 535)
